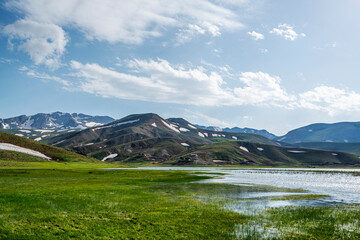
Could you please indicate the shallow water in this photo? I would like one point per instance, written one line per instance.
(340, 184)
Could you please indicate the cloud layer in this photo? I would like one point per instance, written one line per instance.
(129, 21)
(163, 82)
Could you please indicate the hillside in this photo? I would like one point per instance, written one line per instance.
(353, 148)
(322, 132)
(171, 151)
(142, 127)
(53, 153)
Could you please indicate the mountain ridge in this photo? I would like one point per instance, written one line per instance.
(345, 132)
(261, 132)
(54, 120)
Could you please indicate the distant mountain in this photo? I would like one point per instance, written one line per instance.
(345, 132)
(56, 120)
(262, 132)
(353, 148)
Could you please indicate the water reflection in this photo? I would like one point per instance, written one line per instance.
(341, 185)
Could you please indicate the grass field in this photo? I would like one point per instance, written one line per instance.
(77, 203)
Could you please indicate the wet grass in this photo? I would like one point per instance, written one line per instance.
(331, 222)
(297, 197)
(99, 204)
(91, 203)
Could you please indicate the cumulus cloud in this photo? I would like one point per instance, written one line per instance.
(155, 81)
(262, 89)
(131, 21)
(330, 100)
(256, 36)
(160, 81)
(45, 43)
(287, 32)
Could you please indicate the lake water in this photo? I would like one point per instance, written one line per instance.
(342, 185)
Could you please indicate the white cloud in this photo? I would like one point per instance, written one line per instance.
(262, 89)
(44, 76)
(159, 81)
(131, 21)
(155, 81)
(256, 36)
(287, 32)
(45, 43)
(162, 82)
(330, 100)
(23, 68)
(263, 50)
(198, 117)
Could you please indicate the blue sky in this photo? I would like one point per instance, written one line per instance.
(267, 64)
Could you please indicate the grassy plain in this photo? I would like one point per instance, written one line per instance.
(89, 203)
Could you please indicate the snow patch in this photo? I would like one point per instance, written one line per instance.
(206, 134)
(38, 139)
(260, 149)
(184, 129)
(185, 144)
(334, 154)
(88, 144)
(310, 130)
(193, 127)
(25, 131)
(296, 151)
(11, 147)
(110, 156)
(44, 130)
(171, 126)
(116, 124)
(201, 135)
(19, 134)
(244, 149)
(233, 137)
(154, 125)
(59, 142)
(92, 124)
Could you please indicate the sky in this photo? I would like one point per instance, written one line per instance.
(274, 65)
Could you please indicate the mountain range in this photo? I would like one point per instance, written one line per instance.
(150, 138)
(55, 120)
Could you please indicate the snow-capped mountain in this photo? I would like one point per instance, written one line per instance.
(56, 120)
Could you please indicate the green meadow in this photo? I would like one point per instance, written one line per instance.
(89, 203)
